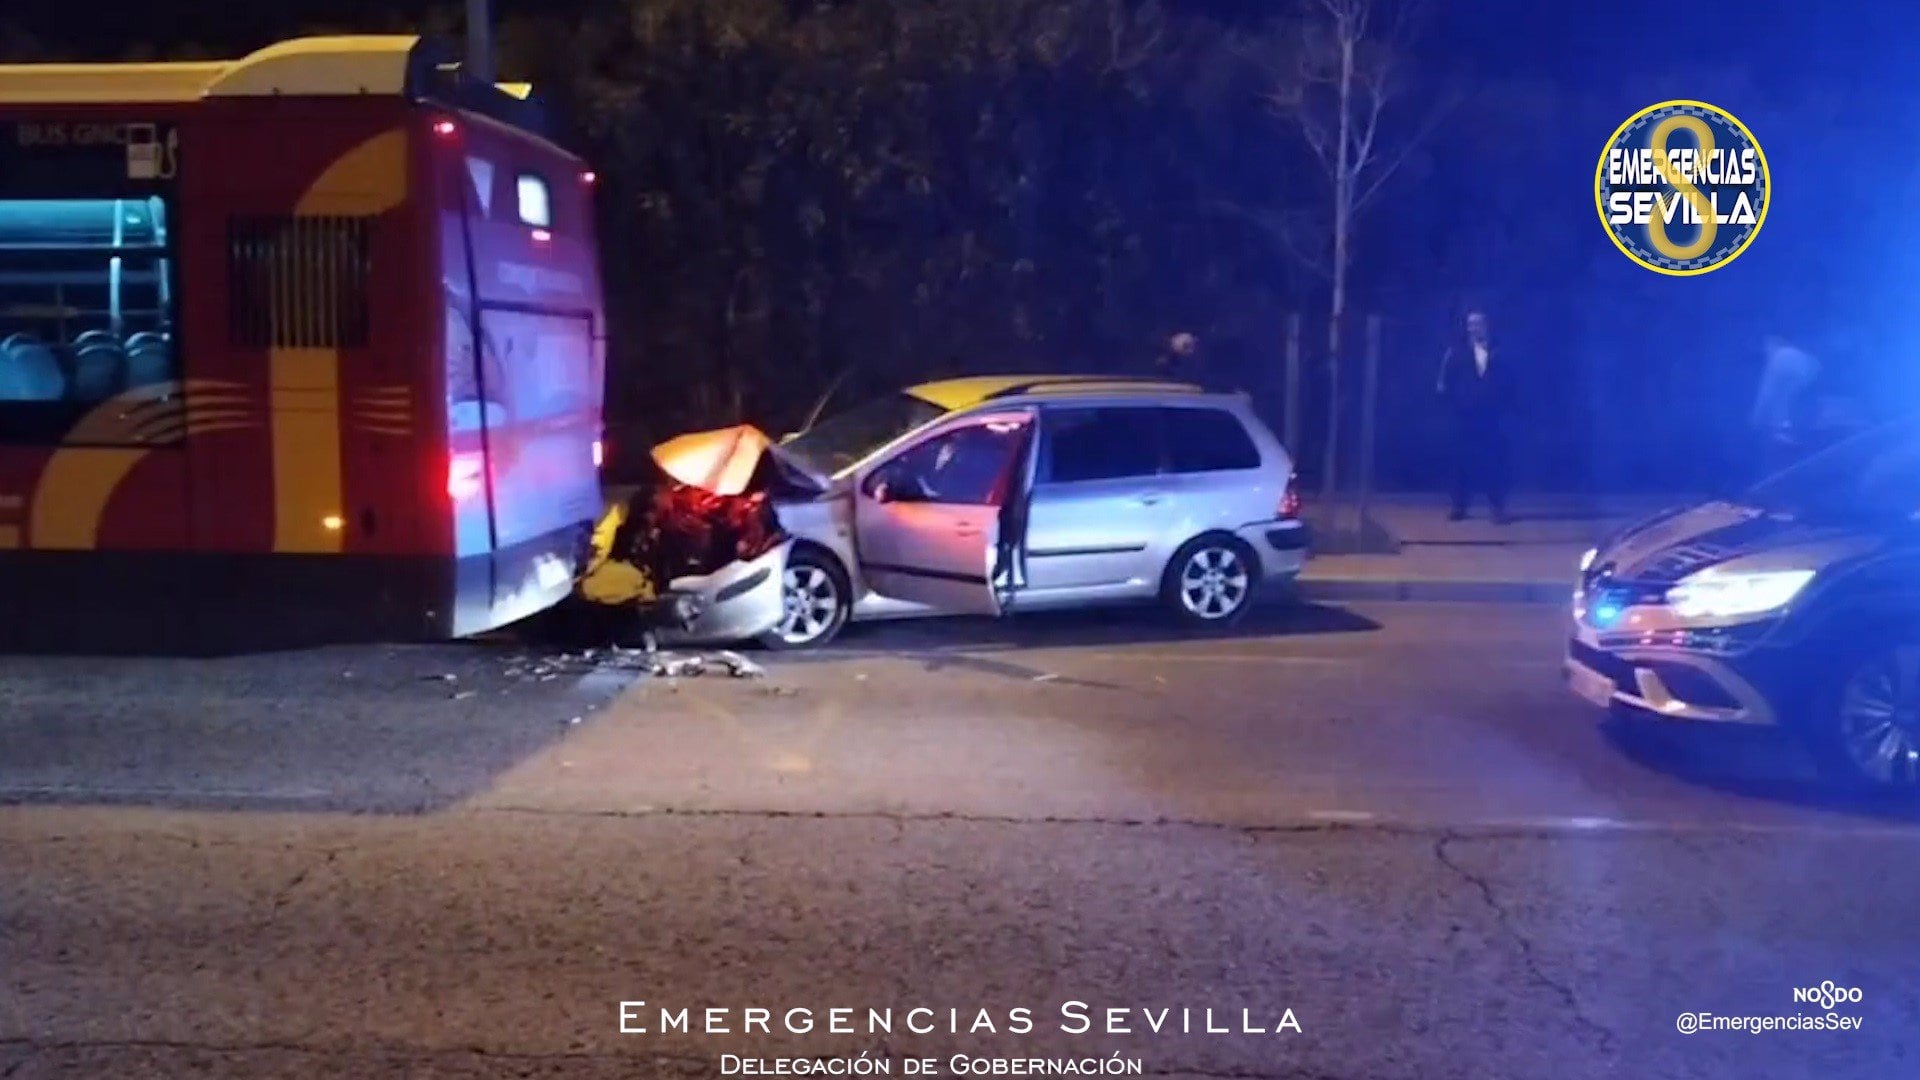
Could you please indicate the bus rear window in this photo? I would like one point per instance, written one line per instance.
(86, 299)
(535, 201)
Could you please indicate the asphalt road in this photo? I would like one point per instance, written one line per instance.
(1390, 820)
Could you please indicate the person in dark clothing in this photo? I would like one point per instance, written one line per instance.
(1783, 413)
(1180, 359)
(1478, 389)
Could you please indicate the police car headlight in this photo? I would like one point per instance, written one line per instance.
(1714, 594)
(1586, 560)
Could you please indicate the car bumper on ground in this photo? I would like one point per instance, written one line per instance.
(1673, 684)
(742, 599)
(1281, 544)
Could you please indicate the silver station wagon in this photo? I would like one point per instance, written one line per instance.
(994, 494)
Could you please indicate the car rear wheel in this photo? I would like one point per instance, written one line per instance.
(817, 602)
(1210, 582)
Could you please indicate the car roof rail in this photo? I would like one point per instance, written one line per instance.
(1119, 384)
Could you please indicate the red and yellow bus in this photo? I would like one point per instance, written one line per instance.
(304, 346)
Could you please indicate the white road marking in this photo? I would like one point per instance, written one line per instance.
(1863, 829)
(1131, 655)
(1354, 817)
(73, 792)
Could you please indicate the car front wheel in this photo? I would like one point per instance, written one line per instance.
(816, 599)
(1869, 738)
(1210, 582)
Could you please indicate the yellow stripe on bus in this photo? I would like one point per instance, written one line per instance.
(304, 400)
(73, 493)
(304, 391)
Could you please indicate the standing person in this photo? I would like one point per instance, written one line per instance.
(1180, 359)
(1478, 390)
(1778, 420)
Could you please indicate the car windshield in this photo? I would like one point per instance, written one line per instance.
(1875, 474)
(846, 438)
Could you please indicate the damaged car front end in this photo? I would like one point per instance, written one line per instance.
(697, 551)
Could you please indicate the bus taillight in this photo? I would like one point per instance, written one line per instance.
(466, 476)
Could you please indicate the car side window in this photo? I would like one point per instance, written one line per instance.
(1207, 440)
(1100, 444)
(962, 467)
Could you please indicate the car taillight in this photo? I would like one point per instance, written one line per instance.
(1290, 498)
(466, 476)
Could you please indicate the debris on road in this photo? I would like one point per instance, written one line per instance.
(739, 666)
(648, 660)
(676, 667)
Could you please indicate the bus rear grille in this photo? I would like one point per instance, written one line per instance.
(298, 282)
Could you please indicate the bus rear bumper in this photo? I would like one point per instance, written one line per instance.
(516, 582)
(161, 603)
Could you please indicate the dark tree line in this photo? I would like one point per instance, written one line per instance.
(798, 194)
(864, 193)
(887, 190)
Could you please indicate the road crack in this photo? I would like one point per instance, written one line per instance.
(1528, 958)
(32, 1052)
(1367, 826)
(285, 896)
(904, 818)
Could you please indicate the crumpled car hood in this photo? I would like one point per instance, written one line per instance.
(733, 461)
(708, 505)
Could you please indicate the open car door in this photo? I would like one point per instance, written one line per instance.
(928, 521)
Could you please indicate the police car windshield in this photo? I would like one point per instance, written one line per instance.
(1872, 475)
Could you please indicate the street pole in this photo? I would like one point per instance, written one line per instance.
(1369, 412)
(480, 40)
(1291, 407)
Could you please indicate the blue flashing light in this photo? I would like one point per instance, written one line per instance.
(1606, 615)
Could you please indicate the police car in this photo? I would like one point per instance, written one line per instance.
(1795, 604)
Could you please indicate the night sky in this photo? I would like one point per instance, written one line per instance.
(1798, 46)
(1499, 210)
(1826, 87)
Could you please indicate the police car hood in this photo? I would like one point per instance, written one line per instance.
(1734, 536)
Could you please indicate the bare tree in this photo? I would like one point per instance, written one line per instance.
(1343, 91)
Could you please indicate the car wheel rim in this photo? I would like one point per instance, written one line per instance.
(1213, 583)
(1880, 718)
(811, 604)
